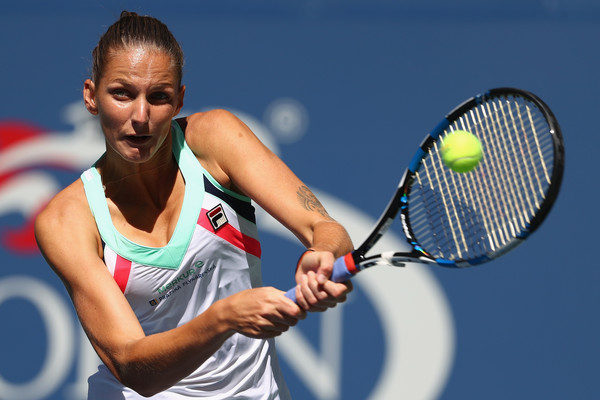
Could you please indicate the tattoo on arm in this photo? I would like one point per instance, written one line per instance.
(309, 201)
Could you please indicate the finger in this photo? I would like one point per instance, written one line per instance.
(315, 286)
(337, 291)
(307, 293)
(321, 300)
(301, 299)
(274, 325)
(312, 302)
(289, 319)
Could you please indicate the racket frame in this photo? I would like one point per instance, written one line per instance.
(399, 201)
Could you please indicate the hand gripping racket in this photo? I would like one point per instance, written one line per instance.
(464, 219)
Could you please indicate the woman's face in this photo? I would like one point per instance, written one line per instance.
(136, 98)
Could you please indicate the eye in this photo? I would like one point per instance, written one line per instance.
(120, 93)
(159, 97)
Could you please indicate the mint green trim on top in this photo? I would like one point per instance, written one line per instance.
(172, 254)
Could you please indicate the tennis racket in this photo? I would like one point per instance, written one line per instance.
(465, 219)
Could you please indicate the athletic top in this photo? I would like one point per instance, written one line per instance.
(214, 252)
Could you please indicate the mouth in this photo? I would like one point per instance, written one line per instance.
(138, 140)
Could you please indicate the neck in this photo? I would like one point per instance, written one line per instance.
(127, 180)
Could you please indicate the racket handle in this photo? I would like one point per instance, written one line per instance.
(343, 269)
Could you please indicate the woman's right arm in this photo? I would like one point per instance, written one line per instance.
(67, 236)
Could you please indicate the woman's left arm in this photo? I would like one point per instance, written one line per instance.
(235, 157)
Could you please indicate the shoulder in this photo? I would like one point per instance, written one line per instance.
(216, 126)
(221, 142)
(67, 202)
(66, 219)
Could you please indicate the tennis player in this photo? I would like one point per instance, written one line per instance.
(157, 243)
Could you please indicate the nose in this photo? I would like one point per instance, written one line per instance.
(141, 111)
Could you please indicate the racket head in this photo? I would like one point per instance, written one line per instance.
(464, 219)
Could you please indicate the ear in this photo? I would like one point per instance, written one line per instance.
(180, 100)
(89, 96)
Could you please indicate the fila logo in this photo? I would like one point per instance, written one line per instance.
(217, 217)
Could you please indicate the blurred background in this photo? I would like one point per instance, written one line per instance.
(343, 92)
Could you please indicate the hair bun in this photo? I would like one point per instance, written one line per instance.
(127, 14)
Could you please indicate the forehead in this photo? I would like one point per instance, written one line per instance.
(140, 62)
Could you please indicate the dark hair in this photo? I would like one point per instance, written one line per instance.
(131, 30)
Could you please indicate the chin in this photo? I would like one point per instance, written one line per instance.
(136, 156)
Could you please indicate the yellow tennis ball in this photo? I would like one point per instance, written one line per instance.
(461, 151)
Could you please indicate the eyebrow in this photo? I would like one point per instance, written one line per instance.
(160, 84)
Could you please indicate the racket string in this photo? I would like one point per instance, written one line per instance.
(511, 197)
(470, 215)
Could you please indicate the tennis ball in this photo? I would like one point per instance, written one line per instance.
(461, 151)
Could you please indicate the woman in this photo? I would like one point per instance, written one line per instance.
(157, 245)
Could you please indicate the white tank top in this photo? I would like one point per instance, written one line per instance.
(214, 252)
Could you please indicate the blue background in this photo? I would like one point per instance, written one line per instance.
(374, 77)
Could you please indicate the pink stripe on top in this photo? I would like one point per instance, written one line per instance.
(122, 270)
